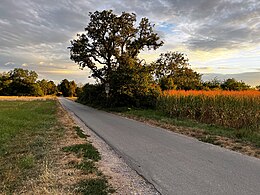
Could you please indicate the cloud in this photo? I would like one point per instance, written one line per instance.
(223, 24)
(205, 24)
(209, 24)
(9, 63)
(39, 31)
(24, 65)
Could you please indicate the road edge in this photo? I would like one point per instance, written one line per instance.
(131, 181)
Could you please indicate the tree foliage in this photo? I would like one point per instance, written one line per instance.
(167, 83)
(48, 87)
(214, 84)
(133, 85)
(233, 84)
(5, 82)
(21, 82)
(173, 72)
(108, 39)
(68, 88)
(93, 95)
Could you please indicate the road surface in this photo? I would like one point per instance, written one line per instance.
(173, 163)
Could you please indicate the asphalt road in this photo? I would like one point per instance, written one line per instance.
(173, 163)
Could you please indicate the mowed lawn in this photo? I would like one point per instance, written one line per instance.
(26, 130)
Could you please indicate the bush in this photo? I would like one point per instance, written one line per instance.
(93, 95)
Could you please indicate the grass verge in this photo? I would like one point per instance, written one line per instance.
(26, 132)
(97, 183)
(32, 161)
(243, 141)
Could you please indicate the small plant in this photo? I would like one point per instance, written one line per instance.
(86, 150)
(80, 132)
(93, 186)
(87, 166)
(27, 162)
(97, 186)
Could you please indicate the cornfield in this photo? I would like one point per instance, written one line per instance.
(231, 109)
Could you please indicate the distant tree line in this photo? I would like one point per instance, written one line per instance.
(69, 88)
(110, 48)
(20, 82)
(230, 84)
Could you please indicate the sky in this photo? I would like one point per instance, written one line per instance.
(220, 37)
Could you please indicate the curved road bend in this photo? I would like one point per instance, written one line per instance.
(173, 163)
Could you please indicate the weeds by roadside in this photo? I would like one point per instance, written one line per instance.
(88, 154)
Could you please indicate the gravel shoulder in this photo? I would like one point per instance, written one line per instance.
(122, 178)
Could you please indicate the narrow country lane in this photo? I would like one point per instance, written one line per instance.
(173, 163)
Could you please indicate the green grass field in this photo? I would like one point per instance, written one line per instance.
(26, 131)
(30, 133)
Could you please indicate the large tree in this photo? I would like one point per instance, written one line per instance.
(110, 39)
(134, 85)
(48, 87)
(173, 71)
(23, 82)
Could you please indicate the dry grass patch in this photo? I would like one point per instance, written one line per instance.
(26, 98)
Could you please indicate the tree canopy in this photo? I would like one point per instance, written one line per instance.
(233, 84)
(173, 71)
(21, 82)
(68, 88)
(48, 87)
(109, 40)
